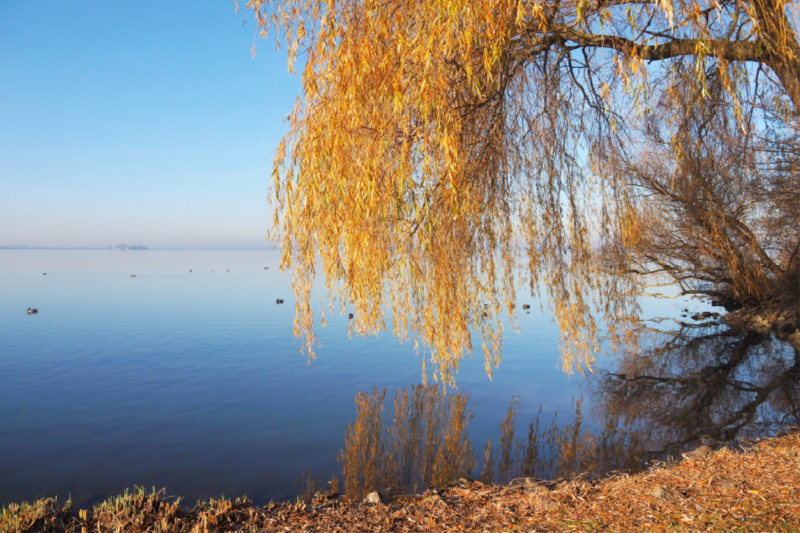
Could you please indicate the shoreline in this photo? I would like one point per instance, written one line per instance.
(757, 487)
(778, 321)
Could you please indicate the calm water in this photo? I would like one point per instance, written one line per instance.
(193, 381)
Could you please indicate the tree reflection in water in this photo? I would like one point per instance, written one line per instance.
(688, 387)
(711, 384)
(563, 452)
(420, 441)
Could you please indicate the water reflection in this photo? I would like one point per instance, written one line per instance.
(713, 384)
(708, 385)
(553, 451)
(420, 441)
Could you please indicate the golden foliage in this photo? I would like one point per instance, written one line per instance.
(438, 146)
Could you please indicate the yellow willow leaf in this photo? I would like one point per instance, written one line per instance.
(441, 153)
(520, 13)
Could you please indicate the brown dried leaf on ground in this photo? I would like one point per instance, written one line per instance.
(756, 489)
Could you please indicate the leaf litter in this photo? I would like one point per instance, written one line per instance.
(750, 488)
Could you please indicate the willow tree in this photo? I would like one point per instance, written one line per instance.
(437, 146)
(719, 197)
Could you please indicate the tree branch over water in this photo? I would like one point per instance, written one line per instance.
(440, 154)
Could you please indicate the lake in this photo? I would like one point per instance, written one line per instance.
(193, 381)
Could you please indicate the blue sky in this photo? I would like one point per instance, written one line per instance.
(141, 122)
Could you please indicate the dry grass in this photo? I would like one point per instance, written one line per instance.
(753, 489)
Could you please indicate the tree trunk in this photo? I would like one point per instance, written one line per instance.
(789, 76)
(777, 33)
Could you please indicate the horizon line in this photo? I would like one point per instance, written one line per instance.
(25, 247)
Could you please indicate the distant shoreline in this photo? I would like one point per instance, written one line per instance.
(117, 250)
(21, 247)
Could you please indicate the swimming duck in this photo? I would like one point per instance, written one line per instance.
(32, 311)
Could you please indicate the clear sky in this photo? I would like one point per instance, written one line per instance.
(142, 122)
